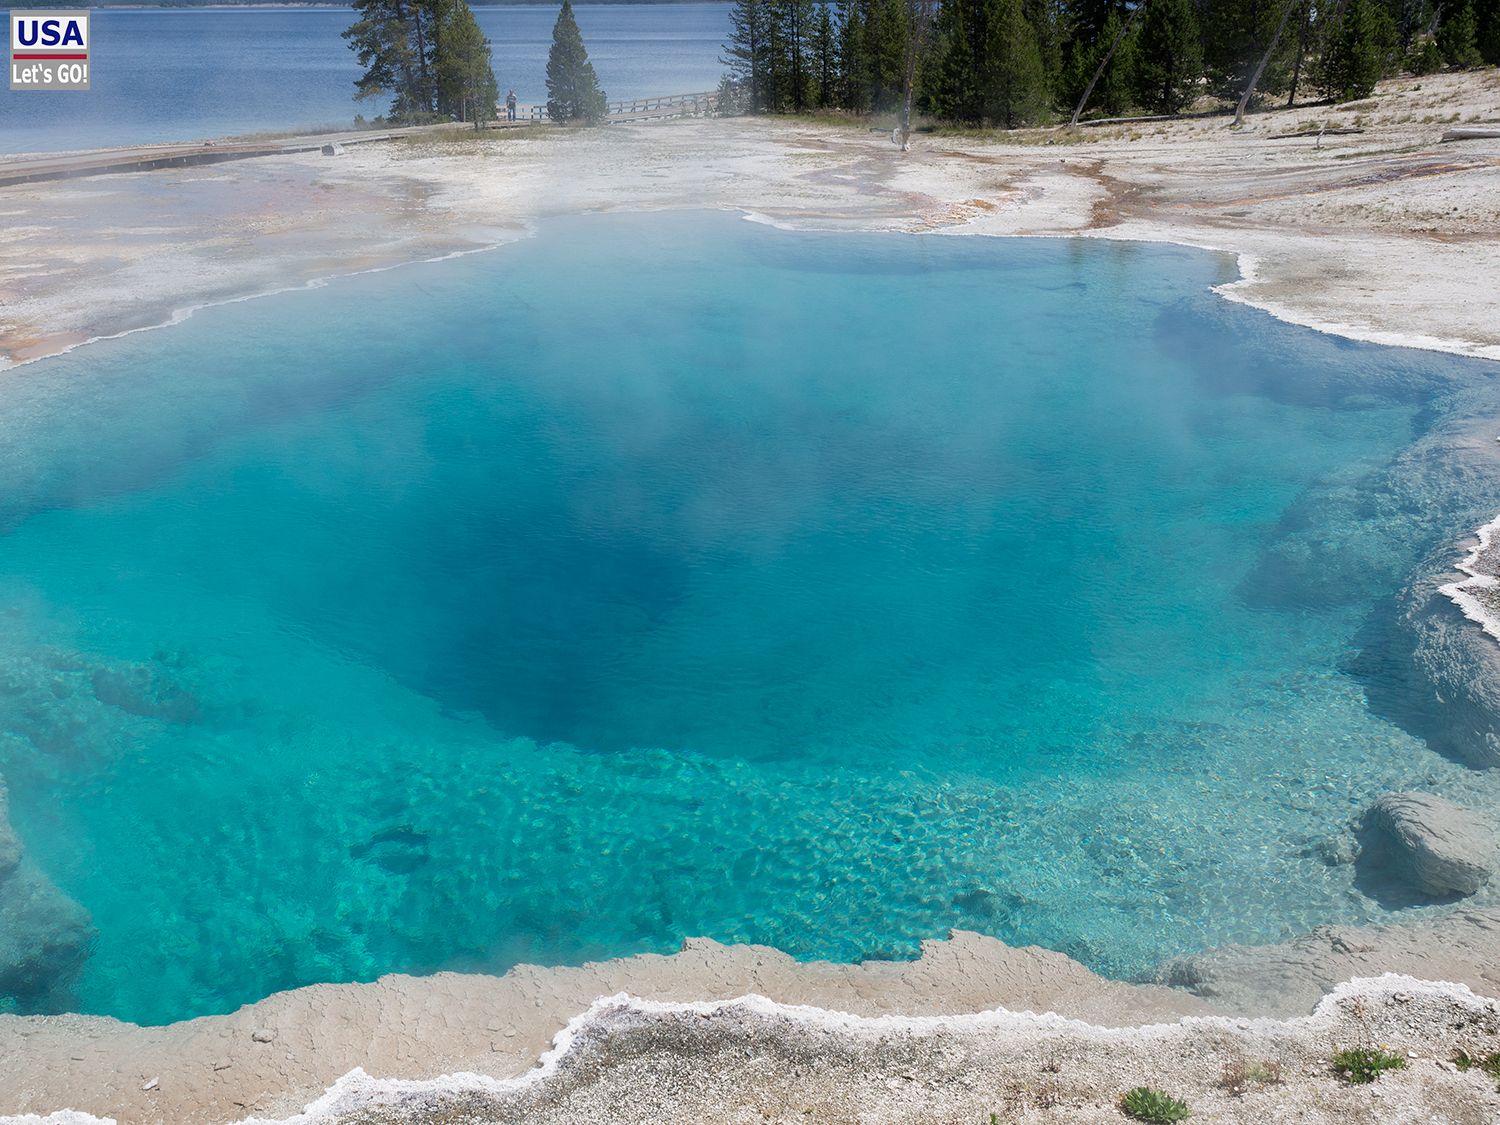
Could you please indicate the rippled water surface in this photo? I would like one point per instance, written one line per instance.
(672, 575)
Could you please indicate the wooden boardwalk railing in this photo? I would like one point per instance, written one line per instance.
(35, 167)
(138, 158)
(629, 109)
(672, 105)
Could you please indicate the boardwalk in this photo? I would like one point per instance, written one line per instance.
(701, 104)
(654, 109)
(143, 158)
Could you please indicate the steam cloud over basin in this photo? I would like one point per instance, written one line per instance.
(670, 575)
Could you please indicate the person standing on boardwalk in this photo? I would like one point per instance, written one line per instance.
(510, 106)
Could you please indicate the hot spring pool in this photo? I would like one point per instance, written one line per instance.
(672, 575)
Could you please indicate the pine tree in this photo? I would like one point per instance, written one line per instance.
(1358, 47)
(573, 92)
(746, 52)
(825, 59)
(1013, 61)
(774, 61)
(955, 91)
(1112, 93)
(1412, 20)
(1169, 58)
(1014, 86)
(465, 79)
(1458, 35)
(424, 27)
(428, 55)
(1047, 19)
(1424, 58)
(1235, 35)
(793, 35)
(854, 55)
(731, 101)
(888, 32)
(1299, 59)
(383, 38)
(1488, 19)
(1086, 19)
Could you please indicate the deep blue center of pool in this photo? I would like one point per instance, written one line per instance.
(672, 575)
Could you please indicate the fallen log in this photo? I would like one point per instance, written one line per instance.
(1473, 133)
(1315, 133)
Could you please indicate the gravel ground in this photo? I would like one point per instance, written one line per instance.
(753, 1061)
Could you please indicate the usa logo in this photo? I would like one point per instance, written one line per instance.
(49, 50)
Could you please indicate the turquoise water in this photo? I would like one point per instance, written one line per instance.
(672, 575)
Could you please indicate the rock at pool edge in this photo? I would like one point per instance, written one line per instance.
(1448, 849)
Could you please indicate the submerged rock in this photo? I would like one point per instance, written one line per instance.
(1446, 848)
(44, 934)
(139, 690)
(10, 844)
(1460, 666)
(1289, 978)
(44, 939)
(76, 710)
(1423, 664)
(399, 850)
(1337, 851)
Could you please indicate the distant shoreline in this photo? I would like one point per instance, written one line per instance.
(1384, 235)
(334, 5)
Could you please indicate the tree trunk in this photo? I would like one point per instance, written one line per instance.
(428, 93)
(1239, 112)
(922, 12)
(1291, 99)
(797, 81)
(406, 73)
(1098, 74)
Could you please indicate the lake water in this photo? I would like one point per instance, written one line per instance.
(672, 575)
(173, 75)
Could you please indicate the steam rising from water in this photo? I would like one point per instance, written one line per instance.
(671, 575)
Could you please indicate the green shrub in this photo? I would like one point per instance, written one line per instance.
(1488, 1064)
(1146, 1104)
(1361, 1065)
(1239, 1075)
(1357, 53)
(1424, 58)
(1458, 36)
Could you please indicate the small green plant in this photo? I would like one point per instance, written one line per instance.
(1145, 1104)
(1264, 1073)
(1240, 1075)
(1359, 1066)
(1486, 1064)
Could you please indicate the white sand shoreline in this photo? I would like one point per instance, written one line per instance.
(1060, 1067)
(304, 1056)
(181, 315)
(357, 1091)
(1465, 593)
